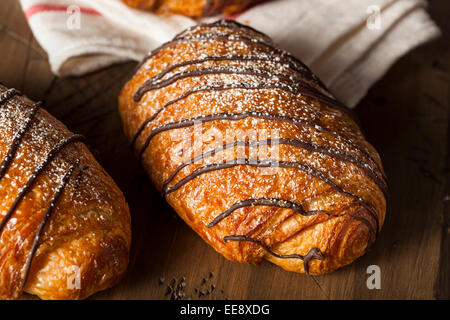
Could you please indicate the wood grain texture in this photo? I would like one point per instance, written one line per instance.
(405, 116)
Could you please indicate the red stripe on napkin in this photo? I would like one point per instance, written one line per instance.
(38, 8)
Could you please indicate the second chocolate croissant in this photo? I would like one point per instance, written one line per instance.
(253, 152)
(65, 228)
(191, 8)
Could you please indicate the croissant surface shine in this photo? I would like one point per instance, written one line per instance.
(253, 152)
(64, 224)
(191, 8)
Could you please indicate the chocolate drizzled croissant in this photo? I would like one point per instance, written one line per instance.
(64, 224)
(191, 8)
(252, 150)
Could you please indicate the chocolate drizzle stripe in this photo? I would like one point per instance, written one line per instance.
(229, 37)
(79, 176)
(233, 25)
(245, 86)
(294, 86)
(45, 218)
(151, 84)
(271, 202)
(314, 253)
(240, 116)
(222, 23)
(39, 169)
(7, 160)
(8, 94)
(332, 152)
(274, 164)
(308, 90)
(228, 57)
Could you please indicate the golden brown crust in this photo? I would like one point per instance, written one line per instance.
(200, 111)
(191, 8)
(84, 244)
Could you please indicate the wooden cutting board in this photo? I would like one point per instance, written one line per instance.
(405, 116)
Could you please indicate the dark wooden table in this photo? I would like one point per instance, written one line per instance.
(405, 116)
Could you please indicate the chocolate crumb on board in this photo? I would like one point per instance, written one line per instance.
(176, 289)
(206, 288)
(169, 290)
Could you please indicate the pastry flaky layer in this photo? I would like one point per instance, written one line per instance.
(253, 152)
(64, 224)
(191, 8)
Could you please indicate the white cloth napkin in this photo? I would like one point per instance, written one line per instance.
(348, 44)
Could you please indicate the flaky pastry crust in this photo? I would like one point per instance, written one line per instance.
(301, 187)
